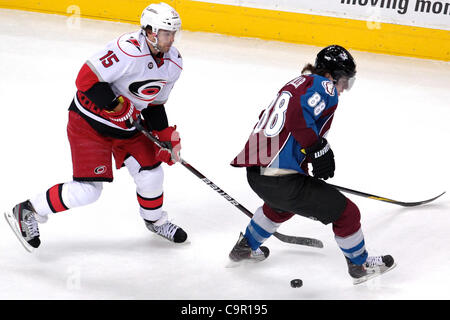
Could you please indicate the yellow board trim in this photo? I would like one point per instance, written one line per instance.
(265, 24)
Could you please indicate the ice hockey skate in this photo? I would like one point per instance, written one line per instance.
(167, 229)
(374, 266)
(23, 220)
(242, 251)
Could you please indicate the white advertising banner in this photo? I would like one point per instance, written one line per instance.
(419, 13)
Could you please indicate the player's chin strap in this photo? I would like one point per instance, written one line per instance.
(284, 238)
(153, 44)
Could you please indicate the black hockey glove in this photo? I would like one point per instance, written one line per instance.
(322, 159)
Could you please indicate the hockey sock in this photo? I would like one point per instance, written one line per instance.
(150, 208)
(149, 189)
(261, 227)
(353, 247)
(55, 200)
(349, 235)
(64, 196)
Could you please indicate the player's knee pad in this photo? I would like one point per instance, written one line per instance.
(80, 193)
(149, 183)
(149, 189)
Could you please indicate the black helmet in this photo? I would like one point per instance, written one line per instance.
(337, 61)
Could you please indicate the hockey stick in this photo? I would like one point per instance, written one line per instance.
(285, 238)
(372, 196)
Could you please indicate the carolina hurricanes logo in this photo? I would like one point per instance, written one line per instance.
(146, 90)
(100, 170)
(134, 42)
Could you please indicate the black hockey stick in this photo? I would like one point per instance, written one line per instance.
(372, 196)
(285, 238)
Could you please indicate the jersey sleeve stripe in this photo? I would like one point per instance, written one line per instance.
(86, 77)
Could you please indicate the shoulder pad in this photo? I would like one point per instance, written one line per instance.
(130, 44)
(324, 85)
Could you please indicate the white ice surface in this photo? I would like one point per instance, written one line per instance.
(390, 137)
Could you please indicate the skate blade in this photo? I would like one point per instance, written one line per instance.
(234, 264)
(185, 243)
(372, 275)
(15, 228)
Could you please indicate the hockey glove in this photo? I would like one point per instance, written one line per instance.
(171, 138)
(322, 159)
(125, 116)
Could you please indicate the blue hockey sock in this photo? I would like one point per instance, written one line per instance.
(259, 229)
(353, 247)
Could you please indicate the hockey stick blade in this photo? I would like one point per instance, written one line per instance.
(407, 204)
(284, 238)
(310, 242)
(374, 197)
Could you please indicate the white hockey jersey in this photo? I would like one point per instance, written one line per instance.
(130, 69)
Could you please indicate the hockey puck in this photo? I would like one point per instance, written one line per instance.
(296, 283)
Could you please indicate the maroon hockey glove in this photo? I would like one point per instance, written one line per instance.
(126, 116)
(171, 138)
(322, 159)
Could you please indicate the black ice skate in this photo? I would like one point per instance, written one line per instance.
(374, 266)
(23, 220)
(167, 229)
(242, 251)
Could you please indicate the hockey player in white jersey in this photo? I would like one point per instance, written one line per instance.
(132, 76)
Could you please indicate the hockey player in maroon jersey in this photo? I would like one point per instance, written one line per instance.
(290, 134)
(132, 75)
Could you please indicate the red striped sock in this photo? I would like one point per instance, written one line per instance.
(55, 200)
(150, 203)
